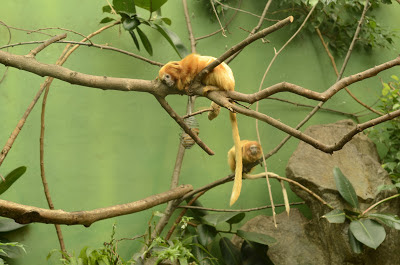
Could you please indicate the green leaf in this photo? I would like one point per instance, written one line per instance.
(7, 225)
(229, 217)
(129, 23)
(230, 254)
(368, 232)
(145, 41)
(313, 2)
(391, 220)
(106, 20)
(132, 33)
(126, 6)
(12, 249)
(11, 178)
(356, 245)
(174, 40)
(166, 20)
(106, 9)
(256, 237)
(385, 89)
(206, 234)
(345, 188)
(336, 216)
(200, 253)
(150, 5)
(394, 77)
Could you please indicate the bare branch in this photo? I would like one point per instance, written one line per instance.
(241, 45)
(236, 210)
(45, 44)
(337, 74)
(28, 214)
(189, 26)
(183, 125)
(103, 47)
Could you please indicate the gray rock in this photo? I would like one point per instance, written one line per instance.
(299, 239)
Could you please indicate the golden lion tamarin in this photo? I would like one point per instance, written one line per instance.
(180, 74)
(251, 152)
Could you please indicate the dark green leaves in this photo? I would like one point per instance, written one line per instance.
(206, 234)
(345, 188)
(174, 40)
(230, 253)
(368, 232)
(131, 21)
(336, 216)
(150, 5)
(11, 178)
(356, 245)
(388, 219)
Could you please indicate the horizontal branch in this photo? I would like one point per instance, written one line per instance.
(25, 214)
(30, 64)
(324, 96)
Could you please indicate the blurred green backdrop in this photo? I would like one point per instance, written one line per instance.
(107, 147)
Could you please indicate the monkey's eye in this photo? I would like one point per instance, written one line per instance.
(167, 78)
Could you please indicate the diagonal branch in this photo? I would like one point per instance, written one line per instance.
(25, 214)
(241, 45)
(183, 125)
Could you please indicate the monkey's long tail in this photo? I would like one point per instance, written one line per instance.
(237, 184)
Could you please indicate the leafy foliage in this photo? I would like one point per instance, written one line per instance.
(389, 133)
(337, 20)
(132, 20)
(10, 249)
(106, 255)
(365, 228)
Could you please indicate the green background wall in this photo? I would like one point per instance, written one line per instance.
(106, 147)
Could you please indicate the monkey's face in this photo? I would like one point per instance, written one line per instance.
(252, 151)
(168, 73)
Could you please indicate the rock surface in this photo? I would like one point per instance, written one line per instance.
(316, 241)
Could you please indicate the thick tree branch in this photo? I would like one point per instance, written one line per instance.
(28, 214)
(241, 45)
(107, 83)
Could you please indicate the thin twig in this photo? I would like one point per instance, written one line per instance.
(103, 47)
(216, 15)
(240, 46)
(225, 27)
(337, 74)
(189, 26)
(278, 147)
(244, 11)
(45, 44)
(196, 113)
(273, 175)
(179, 218)
(255, 29)
(69, 30)
(236, 210)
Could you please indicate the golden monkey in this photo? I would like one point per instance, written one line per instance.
(251, 152)
(180, 74)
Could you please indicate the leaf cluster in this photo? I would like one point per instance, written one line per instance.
(133, 22)
(337, 20)
(365, 228)
(10, 249)
(388, 134)
(106, 255)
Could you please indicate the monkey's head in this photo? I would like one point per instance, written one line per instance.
(169, 73)
(252, 151)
